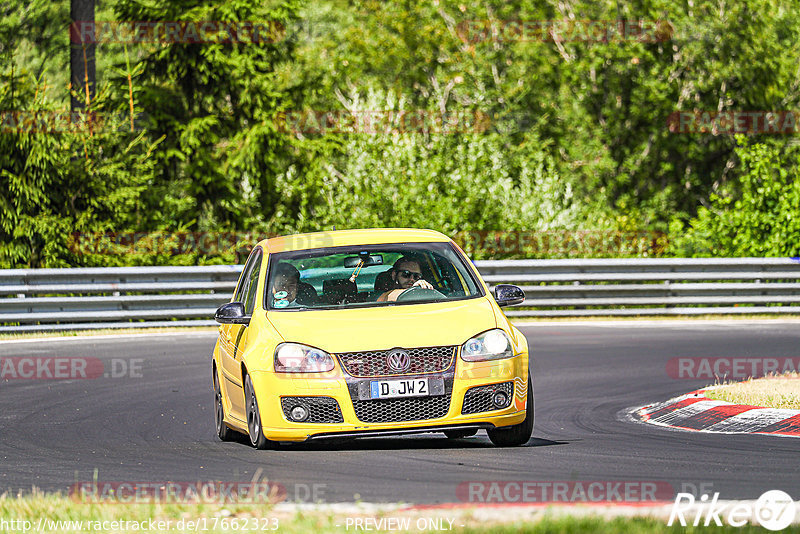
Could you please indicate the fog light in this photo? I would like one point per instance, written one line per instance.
(299, 413)
(500, 399)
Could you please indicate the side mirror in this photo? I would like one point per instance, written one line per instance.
(231, 313)
(508, 295)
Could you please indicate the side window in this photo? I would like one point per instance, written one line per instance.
(241, 289)
(252, 283)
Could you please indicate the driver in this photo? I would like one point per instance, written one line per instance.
(406, 274)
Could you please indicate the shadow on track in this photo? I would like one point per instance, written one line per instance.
(420, 442)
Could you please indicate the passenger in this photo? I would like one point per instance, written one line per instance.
(284, 286)
(406, 274)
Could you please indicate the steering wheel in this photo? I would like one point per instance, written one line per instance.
(419, 293)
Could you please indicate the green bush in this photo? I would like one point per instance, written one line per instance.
(758, 215)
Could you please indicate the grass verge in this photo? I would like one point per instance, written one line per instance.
(775, 391)
(58, 513)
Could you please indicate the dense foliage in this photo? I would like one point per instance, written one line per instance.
(569, 145)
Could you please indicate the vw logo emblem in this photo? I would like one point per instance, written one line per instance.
(398, 360)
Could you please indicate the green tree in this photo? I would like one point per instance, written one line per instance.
(64, 176)
(214, 103)
(759, 217)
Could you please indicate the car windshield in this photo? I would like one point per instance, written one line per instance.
(368, 275)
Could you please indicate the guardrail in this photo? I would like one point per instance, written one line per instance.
(88, 298)
(92, 298)
(659, 286)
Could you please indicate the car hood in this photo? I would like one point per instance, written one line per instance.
(386, 327)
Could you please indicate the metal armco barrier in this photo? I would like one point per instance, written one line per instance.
(86, 298)
(92, 298)
(661, 286)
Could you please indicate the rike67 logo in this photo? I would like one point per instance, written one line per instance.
(774, 510)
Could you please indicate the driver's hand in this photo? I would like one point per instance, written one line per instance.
(423, 284)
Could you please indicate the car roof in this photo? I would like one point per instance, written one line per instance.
(341, 238)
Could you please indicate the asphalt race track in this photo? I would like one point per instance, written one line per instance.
(156, 423)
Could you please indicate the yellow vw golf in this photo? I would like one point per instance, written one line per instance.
(368, 333)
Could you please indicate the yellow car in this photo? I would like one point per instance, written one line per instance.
(368, 333)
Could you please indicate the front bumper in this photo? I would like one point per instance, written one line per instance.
(272, 387)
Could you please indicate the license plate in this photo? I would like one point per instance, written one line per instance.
(387, 389)
(404, 387)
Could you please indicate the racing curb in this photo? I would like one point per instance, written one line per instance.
(695, 412)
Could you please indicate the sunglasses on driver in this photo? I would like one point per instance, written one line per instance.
(405, 273)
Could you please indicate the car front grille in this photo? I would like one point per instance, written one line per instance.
(375, 363)
(397, 410)
(479, 399)
(320, 409)
(405, 409)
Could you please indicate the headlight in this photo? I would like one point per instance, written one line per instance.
(492, 345)
(297, 358)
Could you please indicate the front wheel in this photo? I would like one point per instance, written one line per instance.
(519, 434)
(254, 428)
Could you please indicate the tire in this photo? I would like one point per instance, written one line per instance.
(223, 432)
(519, 434)
(458, 434)
(254, 428)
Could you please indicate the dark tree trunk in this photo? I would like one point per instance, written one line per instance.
(81, 57)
